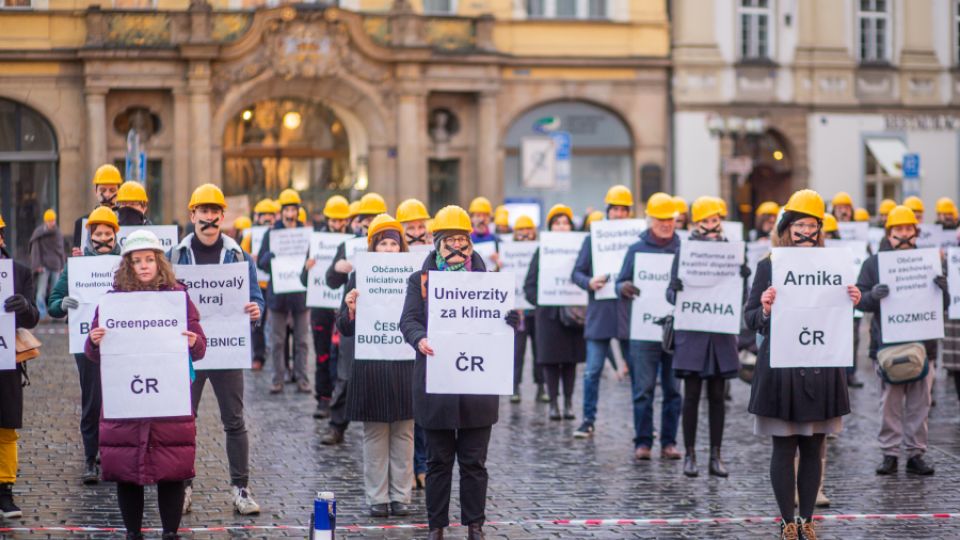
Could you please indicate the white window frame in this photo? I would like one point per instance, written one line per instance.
(583, 10)
(754, 42)
(874, 15)
(451, 11)
(956, 31)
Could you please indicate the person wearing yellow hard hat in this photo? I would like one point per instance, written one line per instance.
(106, 182)
(723, 207)
(413, 215)
(795, 414)
(21, 304)
(861, 214)
(102, 228)
(765, 220)
(841, 206)
(264, 216)
(883, 209)
(456, 425)
(915, 204)
(207, 245)
(525, 230)
(559, 347)
(48, 257)
(132, 203)
(947, 214)
(591, 218)
(601, 325)
(904, 407)
(646, 358)
(336, 213)
(354, 209)
(481, 216)
(831, 230)
(241, 224)
(501, 220)
(683, 212)
(265, 212)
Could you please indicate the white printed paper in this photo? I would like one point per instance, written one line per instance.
(382, 282)
(712, 295)
(323, 248)
(609, 241)
(558, 255)
(854, 230)
(953, 281)
(8, 321)
(486, 250)
(914, 309)
(732, 230)
(651, 274)
(89, 278)
(930, 235)
(353, 246)
(289, 248)
(221, 292)
(515, 257)
(256, 233)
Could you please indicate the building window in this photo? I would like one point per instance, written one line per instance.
(439, 7)
(755, 32)
(874, 26)
(567, 9)
(15, 3)
(956, 28)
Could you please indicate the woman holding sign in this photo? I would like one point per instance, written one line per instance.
(457, 426)
(102, 227)
(797, 407)
(379, 394)
(559, 344)
(160, 451)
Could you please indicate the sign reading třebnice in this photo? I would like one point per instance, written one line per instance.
(472, 343)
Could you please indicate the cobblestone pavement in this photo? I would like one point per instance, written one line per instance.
(538, 472)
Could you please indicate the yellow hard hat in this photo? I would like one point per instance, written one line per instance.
(382, 223)
(336, 207)
(411, 210)
(723, 206)
(266, 206)
(945, 205)
(619, 195)
(806, 201)
(596, 215)
(768, 208)
(861, 214)
(886, 206)
(288, 197)
(207, 194)
(501, 216)
(103, 216)
(842, 198)
(901, 215)
(354, 208)
(705, 207)
(830, 223)
(681, 204)
(913, 203)
(661, 206)
(372, 204)
(557, 210)
(480, 205)
(107, 175)
(3, 224)
(523, 222)
(242, 223)
(131, 191)
(50, 215)
(302, 215)
(452, 218)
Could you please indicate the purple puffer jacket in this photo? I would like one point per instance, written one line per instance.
(152, 450)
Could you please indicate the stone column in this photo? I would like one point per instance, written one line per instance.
(411, 150)
(200, 137)
(179, 190)
(489, 181)
(96, 99)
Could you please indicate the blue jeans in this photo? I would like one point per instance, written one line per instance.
(597, 352)
(646, 358)
(46, 279)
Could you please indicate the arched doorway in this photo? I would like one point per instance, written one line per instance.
(769, 180)
(28, 172)
(600, 154)
(276, 144)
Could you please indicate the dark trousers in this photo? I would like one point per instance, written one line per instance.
(555, 374)
(419, 450)
(321, 323)
(338, 405)
(169, 499)
(257, 337)
(527, 329)
(228, 388)
(469, 448)
(91, 403)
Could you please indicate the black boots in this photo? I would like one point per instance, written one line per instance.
(555, 411)
(134, 535)
(568, 410)
(91, 472)
(690, 463)
(717, 468)
(7, 509)
(542, 396)
(475, 532)
(435, 534)
(170, 536)
(333, 437)
(916, 465)
(889, 465)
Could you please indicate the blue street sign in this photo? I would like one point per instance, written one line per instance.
(561, 139)
(911, 165)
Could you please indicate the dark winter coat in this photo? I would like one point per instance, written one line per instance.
(11, 383)
(790, 394)
(439, 411)
(150, 450)
(646, 244)
(555, 342)
(379, 390)
(286, 302)
(606, 319)
(46, 249)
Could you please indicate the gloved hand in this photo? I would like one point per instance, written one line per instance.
(676, 284)
(69, 302)
(745, 271)
(513, 319)
(880, 291)
(17, 303)
(629, 290)
(941, 281)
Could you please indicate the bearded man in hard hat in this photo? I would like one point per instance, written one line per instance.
(106, 182)
(264, 215)
(48, 257)
(947, 213)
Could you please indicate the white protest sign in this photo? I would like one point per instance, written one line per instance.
(914, 309)
(323, 248)
(811, 320)
(732, 230)
(486, 251)
(953, 281)
(854, 230)
(472, 343)
(756, 251)
(289, 248)
(515, 257)
(558, 255)
(859, 253)
(421, 248)
(712, 295)
(382, 282)
(144, 368)
(874, 236)
(89, 278)
(220, 292)
(8, 321)
(930, 236)
(353, 246)
(256, 234)
(651, 274)
(167, 234)
(609, 241)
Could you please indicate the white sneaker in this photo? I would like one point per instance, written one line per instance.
(187, 500)
(243, 501)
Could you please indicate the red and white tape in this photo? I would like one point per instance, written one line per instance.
(604, 522)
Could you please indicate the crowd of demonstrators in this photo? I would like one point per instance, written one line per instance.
(47, 257)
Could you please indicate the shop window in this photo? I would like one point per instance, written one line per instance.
(439, 7)
(755, 30)
(15, 3)
(567, 9)
(873, 20)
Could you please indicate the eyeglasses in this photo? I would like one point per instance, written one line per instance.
(456, 241)
(804, 227)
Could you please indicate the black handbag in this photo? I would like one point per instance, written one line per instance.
(666, 341)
